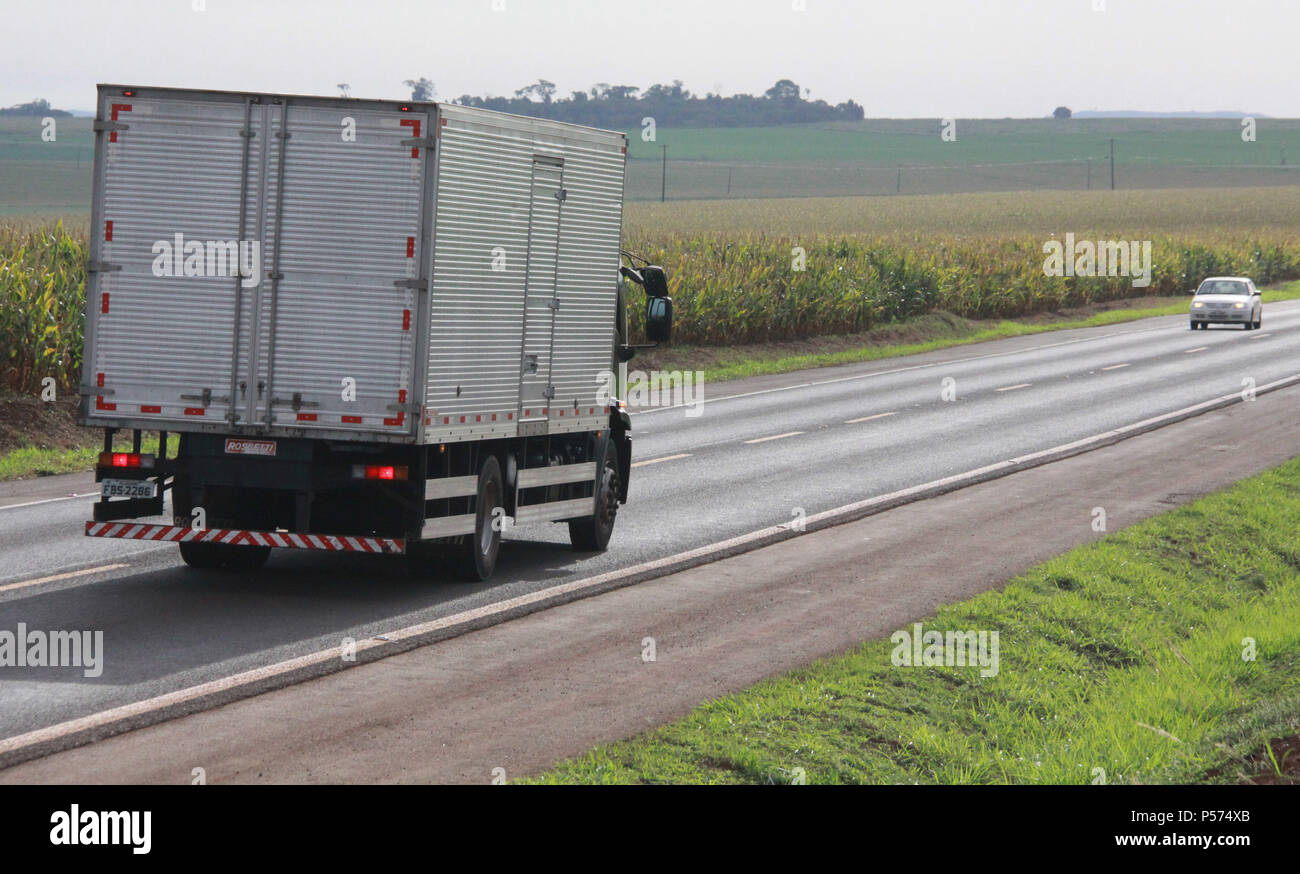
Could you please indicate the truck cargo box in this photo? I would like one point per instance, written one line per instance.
(357, 270)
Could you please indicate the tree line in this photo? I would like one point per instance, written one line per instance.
(624, 106)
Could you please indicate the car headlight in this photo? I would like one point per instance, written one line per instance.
(1197, 305)
(1238, 306)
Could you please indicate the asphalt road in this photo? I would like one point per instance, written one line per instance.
(760, 453)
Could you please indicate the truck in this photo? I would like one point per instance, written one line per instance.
(356, 325)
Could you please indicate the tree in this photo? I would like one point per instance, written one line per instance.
(543, 89)
(622, 92)
(1062, 112)
(344, 89)
(784, 89)
(850, 110)
(39, 106)
(421, 89)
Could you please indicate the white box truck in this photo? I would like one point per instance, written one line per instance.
(374, 325)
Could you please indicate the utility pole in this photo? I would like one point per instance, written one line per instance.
(1112, 163)
(729, 169)
(898, 186)
(663, 184)
(1090, 174)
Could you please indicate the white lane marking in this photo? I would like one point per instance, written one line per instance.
(181, 696)
(869, 418)
(50, 500)
(1014, 387)
(1115, 366)
(813, 383)
(664, 458)
(1259, 336)
(56, 577)
(875, 373)
(774, 437)
(1197, 349)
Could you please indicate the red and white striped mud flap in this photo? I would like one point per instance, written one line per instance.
(287, 540)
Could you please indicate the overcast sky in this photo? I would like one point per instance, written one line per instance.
(898, 58)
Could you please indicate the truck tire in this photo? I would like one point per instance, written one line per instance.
(592, 533)
(477, 557)
(224, 557)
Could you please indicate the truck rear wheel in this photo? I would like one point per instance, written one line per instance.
(478, 554)
(592, 533)
(220, 555)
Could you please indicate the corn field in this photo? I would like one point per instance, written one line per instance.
(733, 289)
(42, 296)
(728, 287)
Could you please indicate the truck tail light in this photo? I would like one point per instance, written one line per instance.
(125, 459)
(380, 471)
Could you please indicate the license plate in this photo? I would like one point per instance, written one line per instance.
(129, 488)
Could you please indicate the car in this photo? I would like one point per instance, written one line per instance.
(1227, 300)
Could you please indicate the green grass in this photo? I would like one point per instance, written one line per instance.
(743, 366)
(32, 461)
(39, 176)
(1123, 657)
(917, 141)
(835, 159)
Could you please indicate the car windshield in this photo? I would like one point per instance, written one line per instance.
(1222, 286)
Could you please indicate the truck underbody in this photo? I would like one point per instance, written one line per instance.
(234, 498)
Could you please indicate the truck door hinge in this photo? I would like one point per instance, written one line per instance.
(101, 267)
(562, 195)
(417, 284)
(548, 392)
(108, 125)
(554, 304)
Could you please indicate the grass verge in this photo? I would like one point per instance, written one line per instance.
(925, 333)
(1128, 660)
(30, 461)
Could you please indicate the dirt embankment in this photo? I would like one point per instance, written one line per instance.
(27, 421)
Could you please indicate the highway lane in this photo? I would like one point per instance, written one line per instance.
(760, 453)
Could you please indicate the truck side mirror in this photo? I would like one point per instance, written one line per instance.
(655, 281)
(659, 319)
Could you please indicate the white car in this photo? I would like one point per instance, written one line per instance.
(1227, 300)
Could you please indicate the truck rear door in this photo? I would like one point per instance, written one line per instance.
(341, 302)
(160, 318)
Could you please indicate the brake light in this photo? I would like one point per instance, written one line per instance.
(380, 471)
(125, 459)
